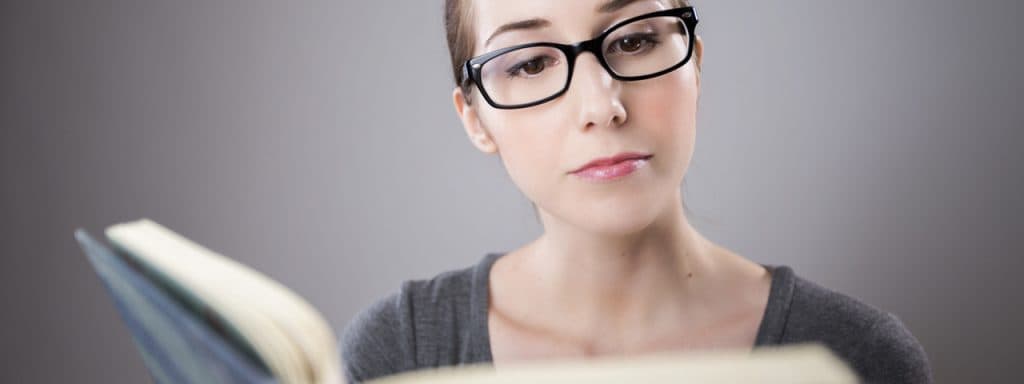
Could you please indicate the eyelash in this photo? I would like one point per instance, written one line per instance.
(647, 38)
(514, 71)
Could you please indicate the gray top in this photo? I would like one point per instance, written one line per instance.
(442, 321)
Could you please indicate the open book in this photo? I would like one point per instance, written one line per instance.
(200, 317)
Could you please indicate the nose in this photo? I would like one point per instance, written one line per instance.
(597, 94)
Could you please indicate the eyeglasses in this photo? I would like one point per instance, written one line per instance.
(638, 48)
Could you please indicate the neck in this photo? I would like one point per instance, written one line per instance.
(614, 282)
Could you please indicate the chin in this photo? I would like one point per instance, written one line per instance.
(614, 219)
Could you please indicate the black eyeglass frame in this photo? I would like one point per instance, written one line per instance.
(472, 68)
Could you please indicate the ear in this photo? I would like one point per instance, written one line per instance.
(481, 139)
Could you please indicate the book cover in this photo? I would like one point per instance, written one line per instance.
(177, 345)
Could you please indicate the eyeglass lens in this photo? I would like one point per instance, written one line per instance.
(640, 48)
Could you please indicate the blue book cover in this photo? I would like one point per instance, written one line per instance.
(177, 345)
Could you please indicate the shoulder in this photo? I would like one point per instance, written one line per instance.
(398, 333)
(874, 342)
(378, 340)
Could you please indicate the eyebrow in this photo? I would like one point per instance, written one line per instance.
(538, 23)
(535, 23)
(614, 5)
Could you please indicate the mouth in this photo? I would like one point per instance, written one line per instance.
(611, 168)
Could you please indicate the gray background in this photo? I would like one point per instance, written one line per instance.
(872, 146)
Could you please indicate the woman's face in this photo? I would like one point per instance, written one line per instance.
(597, 117)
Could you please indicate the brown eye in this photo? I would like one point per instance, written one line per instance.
(531, 67)
(534, 66)
(630, 44)
(634, 44)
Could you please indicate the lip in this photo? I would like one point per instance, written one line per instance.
(612, 160)
(612, 168)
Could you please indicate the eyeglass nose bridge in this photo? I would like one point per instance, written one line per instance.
(593, 46)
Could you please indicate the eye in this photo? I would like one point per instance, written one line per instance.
(532, 66)
(630, 44)
(633, 43)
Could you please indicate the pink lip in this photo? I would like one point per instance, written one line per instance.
(614, 167)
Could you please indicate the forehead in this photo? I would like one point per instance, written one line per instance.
(565, 16)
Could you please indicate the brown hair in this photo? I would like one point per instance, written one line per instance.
(458, 24)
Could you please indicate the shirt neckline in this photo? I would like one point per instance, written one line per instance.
(769, 332)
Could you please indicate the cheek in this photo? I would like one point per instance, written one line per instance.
(666, 108)
(530, 144)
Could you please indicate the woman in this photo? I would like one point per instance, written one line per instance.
(591, 106)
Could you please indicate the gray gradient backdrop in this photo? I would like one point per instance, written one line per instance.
(873, 146)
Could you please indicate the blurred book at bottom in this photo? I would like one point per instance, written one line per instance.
(199, 317)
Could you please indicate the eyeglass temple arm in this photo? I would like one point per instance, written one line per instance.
(464, 82)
